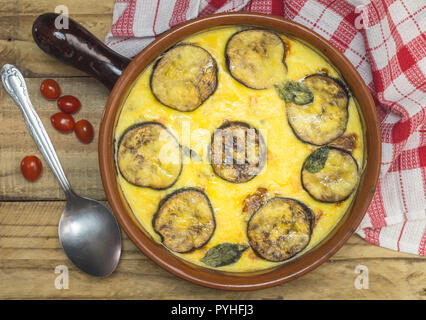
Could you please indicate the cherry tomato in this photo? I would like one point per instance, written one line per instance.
(69, 104)
(62, 122)
(31, 168)
(84, 131)
(49, 88)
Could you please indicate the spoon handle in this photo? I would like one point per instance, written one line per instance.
(15, 85)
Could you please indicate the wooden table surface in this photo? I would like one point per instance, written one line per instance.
(29, 212)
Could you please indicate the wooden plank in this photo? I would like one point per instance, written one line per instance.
(33, 62)
(16, 41)
(18, 27)
(30, 252)
(80, 161)
(31, 7)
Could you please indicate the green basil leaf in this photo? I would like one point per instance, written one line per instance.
(223, 254)
(316, 160)
(283, 93)
(303, 97)
(295, 92)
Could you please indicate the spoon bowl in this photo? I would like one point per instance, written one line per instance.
(89, 237)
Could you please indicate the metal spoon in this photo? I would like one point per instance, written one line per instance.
(88, 231)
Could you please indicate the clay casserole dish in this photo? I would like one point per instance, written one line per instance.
(76, 46)
(266, 278)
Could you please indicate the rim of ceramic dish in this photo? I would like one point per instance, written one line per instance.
(247, 280)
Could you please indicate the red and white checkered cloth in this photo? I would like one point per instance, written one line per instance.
(385, 40)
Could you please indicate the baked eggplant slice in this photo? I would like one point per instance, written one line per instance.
(256, 58)
(330, 174)
(323, 119)
(149, 155)
(280, 229)
(237, 152)
(185, 220)
(184, 77)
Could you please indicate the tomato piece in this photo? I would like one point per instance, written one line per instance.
(84, 131)
(50, 89)
(69, 104)
(31, 168)
(62, 122)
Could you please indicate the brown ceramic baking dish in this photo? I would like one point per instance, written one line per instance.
(76, 46)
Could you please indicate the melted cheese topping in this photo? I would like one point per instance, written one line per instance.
(262, 109)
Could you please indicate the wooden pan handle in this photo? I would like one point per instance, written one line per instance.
(78, 47)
